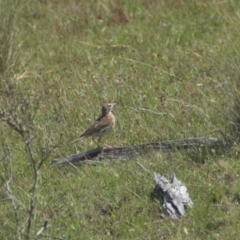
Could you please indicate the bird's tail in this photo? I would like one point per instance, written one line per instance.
(75, 140)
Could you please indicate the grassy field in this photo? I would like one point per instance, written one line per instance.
(173, 68)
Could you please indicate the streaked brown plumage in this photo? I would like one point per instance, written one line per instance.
(102, 126)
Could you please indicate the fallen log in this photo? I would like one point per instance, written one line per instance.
(134, 152)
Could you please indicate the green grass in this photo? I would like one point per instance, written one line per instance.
(173, 68)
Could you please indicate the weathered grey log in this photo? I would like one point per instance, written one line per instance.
(175, 195)
(133, 152)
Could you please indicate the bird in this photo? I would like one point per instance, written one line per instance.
(102, 126)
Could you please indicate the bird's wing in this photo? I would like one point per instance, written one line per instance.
(96, 127)
(101, 125)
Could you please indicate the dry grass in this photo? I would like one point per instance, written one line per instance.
(172, 66)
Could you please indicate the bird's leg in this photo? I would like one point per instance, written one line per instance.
(99, 139)
(93, 139)
(107, 146)
(99, 143)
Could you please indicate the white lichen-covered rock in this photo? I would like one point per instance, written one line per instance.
(175, 195)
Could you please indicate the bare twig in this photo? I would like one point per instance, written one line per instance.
(8, 190)
(36, 169)
(27, 139)
(33, 191)
(14, 124)
(43, 228)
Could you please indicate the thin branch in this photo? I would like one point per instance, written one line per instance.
(11, 196)
(33, 191)
(5, 199)
(16, 126)
(43, 228)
